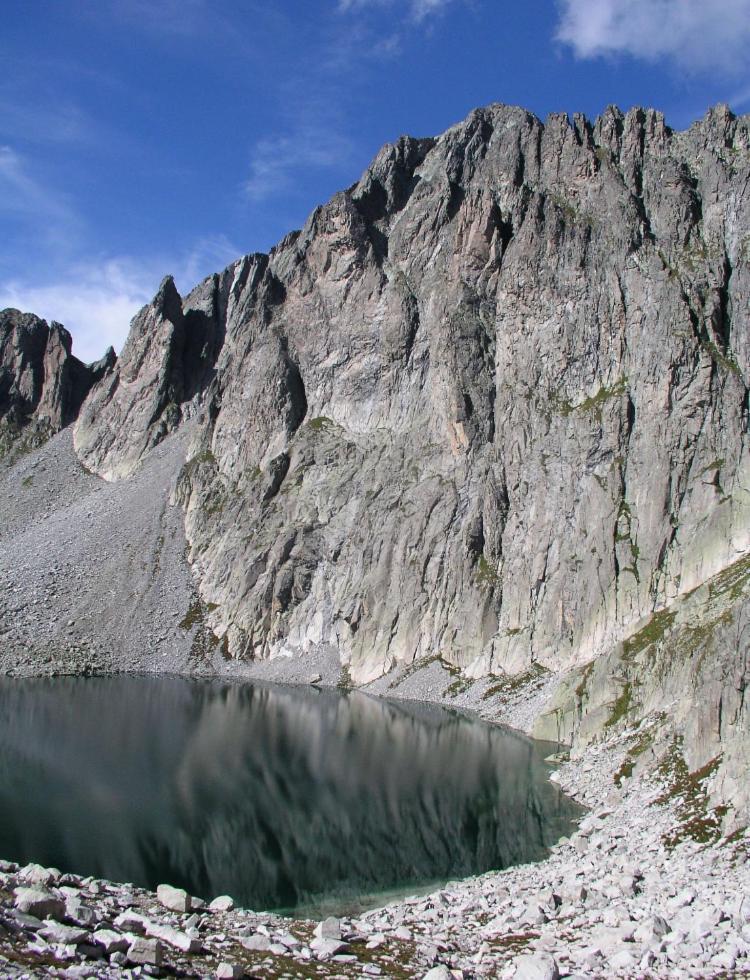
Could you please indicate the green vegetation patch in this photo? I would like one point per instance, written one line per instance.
(510, 684)
(653, 632)
(696, 819)
(193, 616)
(594, 403)
(620, 706)
(319, 423)
(731, 583)
(486, 574)
(726, 361)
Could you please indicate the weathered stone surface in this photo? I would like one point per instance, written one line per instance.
(173, 937)
(329, 928)
(167, 361)
(110, 941)
(145, 951)
(55, 932)
(538, 967)
(176, 899)
(40, 903)
(42, 385)
(438, 973)
(326, 948)
(229, 971)
(222, 903)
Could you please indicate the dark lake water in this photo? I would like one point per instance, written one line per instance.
(284, 798)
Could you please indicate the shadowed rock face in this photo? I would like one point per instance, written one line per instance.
(40, 380)
(490, 402)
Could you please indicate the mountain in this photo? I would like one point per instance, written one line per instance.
(490, 405)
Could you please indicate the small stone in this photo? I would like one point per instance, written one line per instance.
(623, 960)
(175, 899)
(440, 972)
(110, 941)
(174, 937)
(329, 928)
(324, 949)
(145, 952)
(229, 971)
(39, 902)
(541, 966)
(55, 932)
(81, 914)
(35, 874)
(223, 903)
(131, 922)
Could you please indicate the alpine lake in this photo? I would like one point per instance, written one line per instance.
(297, 800)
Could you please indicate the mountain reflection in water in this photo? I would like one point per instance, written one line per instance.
(282, 797)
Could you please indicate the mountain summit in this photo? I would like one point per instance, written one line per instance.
(489, 405)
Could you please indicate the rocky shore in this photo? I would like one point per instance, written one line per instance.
(646, 887)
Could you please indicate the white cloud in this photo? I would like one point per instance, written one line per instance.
(96, 303)
(96, 300)
(700, 35)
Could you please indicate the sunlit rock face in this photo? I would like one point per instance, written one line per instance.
(490, 403)
(280, 797)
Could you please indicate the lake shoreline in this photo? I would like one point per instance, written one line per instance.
(630, 892)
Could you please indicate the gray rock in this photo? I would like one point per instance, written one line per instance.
(440, 972)
(39, 902)
(110, 941)
(175, 899)
(55, 932)
(329, 928)
(145, 952)
(324, 949)
(540, 966)
(229, 971)
(173, 937)
(79, 912)
(561, 386)
(223, 903)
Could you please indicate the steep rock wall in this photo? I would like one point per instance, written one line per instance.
(42, 385)
(490, 403)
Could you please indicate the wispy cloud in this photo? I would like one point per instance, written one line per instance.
(277, 159)
(417, 10)
(97, 298)
(95, 302)
(697, 35)
(26, 197)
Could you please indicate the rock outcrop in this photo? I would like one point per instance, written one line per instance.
(491, 402)
(42, 385)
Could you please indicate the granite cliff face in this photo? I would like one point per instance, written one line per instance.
(489, 405)
(42, 385)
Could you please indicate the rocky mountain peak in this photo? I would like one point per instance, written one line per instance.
(41, 382)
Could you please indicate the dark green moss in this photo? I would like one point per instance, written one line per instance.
(620, 706)
(653, 632)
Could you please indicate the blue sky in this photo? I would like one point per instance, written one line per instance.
(145, 137)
